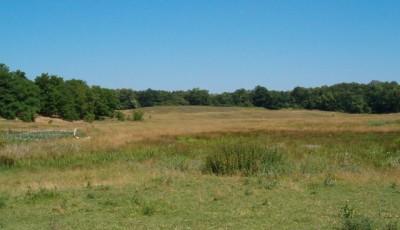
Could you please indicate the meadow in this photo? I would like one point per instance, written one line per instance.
(198, 167)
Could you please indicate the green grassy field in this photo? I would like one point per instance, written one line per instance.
(206, 168)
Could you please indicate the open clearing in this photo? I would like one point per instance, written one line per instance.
(166, 172)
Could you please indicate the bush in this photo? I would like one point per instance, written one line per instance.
(138, 115)
(244, 158)
(27, 116)
(120, 116)
(89, 117)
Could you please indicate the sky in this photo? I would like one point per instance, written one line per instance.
(212, 44)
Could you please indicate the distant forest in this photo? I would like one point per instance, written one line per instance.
(52, 96)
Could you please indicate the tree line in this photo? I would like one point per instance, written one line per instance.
(52, 96)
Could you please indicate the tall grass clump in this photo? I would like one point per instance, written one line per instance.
(244, 158)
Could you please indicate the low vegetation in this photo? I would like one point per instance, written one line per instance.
(204, 168)
(242, 157)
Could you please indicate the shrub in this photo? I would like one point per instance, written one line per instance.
(138, 115)
(27, 116)
(244, 158)
(89, 117)
(120, 116)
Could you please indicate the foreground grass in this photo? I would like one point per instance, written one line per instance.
(176, 201)
(166, 184)
(274, 178)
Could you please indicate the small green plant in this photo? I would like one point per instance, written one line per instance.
(347, 211)
(138, 115)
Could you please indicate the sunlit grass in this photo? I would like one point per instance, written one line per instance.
(205, 168)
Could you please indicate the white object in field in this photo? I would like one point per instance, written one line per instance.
(75, 131)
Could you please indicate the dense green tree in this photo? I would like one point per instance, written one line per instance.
(76, 101)
(19, 97)
(242, 97)
(50, 94)
(260, 96)
(198, 96)
(127, 99)
(223, 99)
(105, 102)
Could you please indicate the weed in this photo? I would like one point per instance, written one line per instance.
(6, 161)
(329, 180)
(148, 209)
(350, 221)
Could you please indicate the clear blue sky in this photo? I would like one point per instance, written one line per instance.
(217, 45)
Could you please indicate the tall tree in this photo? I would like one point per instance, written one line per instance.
(19, 97)
(50, 94)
